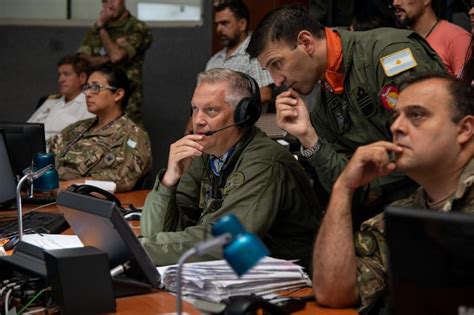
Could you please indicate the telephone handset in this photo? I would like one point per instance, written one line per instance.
(94, 191)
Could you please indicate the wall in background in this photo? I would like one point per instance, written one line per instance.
(28, 57)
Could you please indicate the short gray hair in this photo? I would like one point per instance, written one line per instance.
(239, 86)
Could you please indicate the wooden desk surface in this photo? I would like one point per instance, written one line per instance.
(159, 302)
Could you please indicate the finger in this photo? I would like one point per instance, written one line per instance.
(286, 101)
(289, 113)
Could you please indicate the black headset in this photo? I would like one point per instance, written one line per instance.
(248, 110)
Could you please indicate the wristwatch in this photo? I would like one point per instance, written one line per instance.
(307, 153)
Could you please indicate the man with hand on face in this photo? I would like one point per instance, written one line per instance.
(358, 73)
(229, 166)
(119, 38)
(433, 144)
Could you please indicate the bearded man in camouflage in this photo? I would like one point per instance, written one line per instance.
(432, 144)
(110, 147)
(119, 38)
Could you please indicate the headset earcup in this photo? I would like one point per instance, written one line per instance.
(247, 112)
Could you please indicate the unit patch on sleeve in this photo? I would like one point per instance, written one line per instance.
(389, 96)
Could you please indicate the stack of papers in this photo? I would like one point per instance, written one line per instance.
(215, 280)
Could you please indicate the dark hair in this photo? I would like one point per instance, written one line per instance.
(468, 71)
(80, 65)
(463, 96)
(238, 7)
(117, 78)
(283, 24)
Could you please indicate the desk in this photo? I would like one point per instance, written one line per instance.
(158, 302)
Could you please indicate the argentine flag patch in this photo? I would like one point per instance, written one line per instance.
(398, 62)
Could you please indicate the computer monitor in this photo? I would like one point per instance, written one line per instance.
(431, 256)
(8, 180)
(24, 140)
(99, 223)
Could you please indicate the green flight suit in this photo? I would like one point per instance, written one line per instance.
(135, 37)
(356, 117)
(118, 152)
(371, 245)
(261, 183)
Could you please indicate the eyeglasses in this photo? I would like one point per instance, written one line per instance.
(96, 88)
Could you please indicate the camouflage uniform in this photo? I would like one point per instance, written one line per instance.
(261, 183)
(133, 36)
(370, 243)
(119, 152)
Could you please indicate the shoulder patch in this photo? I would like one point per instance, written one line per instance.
(234, 181)
(54, 96)
(398, 62)
(389, 96)
(132, 144)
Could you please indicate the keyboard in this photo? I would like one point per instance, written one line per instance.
(35, 222)
(38, 199)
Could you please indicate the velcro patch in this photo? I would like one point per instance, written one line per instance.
(132, 144)
(398, 62)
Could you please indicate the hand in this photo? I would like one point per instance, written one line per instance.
(368, 163)
(293, 117)
(181, 155)
(104, 17)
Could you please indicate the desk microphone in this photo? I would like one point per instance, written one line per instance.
(211, 132)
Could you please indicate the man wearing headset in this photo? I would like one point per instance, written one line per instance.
(229, 166)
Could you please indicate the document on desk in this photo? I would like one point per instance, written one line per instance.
(215, 280)
(53, 241)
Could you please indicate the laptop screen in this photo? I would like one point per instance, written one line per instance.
(8, 179)
(431, 261)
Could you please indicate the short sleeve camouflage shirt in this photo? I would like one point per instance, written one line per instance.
(370, 243)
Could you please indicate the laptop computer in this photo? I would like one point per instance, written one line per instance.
(431, 256)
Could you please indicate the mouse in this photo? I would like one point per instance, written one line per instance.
(11, 243)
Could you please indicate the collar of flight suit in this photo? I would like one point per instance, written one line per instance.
(333, 76)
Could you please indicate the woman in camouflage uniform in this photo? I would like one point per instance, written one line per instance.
(110, 146)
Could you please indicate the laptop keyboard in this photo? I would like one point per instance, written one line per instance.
(35, 222)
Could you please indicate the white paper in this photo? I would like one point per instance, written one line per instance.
(53, 241)
(103, 184)
(215, 280)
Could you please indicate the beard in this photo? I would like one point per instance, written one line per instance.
(228, 41)
(406, 22)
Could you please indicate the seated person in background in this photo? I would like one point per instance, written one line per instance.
(61, 110)
(110, 147)
(237, 170)
(433, 144)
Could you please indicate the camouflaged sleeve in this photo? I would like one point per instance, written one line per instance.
(137, 40)
(371, 251)
(86, 47)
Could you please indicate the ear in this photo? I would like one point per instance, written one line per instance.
(119, 94)
(242, 25)
(82, 78)
(466, 129)
(306, 40)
